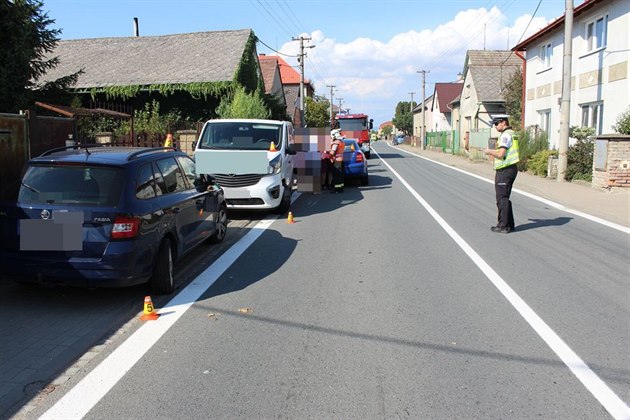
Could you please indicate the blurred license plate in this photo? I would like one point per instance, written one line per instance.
(64, 232)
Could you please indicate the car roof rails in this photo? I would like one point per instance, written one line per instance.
(75, 146)
(141, 152)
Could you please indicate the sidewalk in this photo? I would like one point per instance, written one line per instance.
(613, 206)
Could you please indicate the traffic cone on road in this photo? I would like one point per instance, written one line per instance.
(290, 218)
(149, 313)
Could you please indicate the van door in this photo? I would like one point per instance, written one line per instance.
(289, 154)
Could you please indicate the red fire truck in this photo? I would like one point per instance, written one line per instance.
(356, 126)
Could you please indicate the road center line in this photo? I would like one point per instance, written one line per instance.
(91, 389)
(611, 402)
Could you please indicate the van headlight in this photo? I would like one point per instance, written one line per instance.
(274, 166)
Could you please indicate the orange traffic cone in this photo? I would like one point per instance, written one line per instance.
(149, 313)
(272, 147)
(290, 218)
(169, 140)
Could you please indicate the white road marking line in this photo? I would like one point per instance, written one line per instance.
(550, 203)
(91, 389)
(611, 402)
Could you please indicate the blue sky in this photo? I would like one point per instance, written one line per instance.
(370, 50)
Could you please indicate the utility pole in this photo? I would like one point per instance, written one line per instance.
(424, 129)
(331, 104)
(411, 103)
(565, 100)
(301, 62)
(340, 100)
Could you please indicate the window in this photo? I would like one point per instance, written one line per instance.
(71, 185)
(545, 120)
(145, 184)
(592, 116)
(172, 175)
(596, 32)
(189, 169)
(546, 54)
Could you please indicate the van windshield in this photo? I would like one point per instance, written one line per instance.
(241, 136)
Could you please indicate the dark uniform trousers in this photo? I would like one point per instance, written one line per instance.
(338, 176)
(503, 181)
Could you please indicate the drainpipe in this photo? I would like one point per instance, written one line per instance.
(448, 106)
(519, 54)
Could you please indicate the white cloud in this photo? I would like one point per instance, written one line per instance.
(373, 76)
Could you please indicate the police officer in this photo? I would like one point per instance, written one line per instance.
(506, 157)
(336, 151)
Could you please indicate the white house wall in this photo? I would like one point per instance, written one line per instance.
(441, 121)
(468, 105)
(599, 76)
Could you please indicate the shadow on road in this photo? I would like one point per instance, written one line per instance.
(539, 223)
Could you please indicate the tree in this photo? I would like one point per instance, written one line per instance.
(317, 112)
(387, 130)
(513, 95)
(243, 105)
(277, 108)
(24, 45)
(404, 117)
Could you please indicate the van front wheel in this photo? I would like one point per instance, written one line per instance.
(286, 201)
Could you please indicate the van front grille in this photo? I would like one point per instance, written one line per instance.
(235, 181)
(245, 201)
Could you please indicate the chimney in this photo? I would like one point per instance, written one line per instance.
(136, 31)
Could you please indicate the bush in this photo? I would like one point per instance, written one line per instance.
(243, 105)
(580, 161)
(581, 133)
(529, 146)
(623, 123)
(537, 164)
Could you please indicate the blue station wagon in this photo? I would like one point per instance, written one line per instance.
(108, 217)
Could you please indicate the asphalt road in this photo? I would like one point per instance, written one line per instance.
(388, 301)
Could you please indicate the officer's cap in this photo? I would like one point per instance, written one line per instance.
(497, 118)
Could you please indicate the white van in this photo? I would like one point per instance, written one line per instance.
(252, 160)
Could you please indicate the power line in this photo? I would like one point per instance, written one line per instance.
(276, 51)
(279, 22)
(523, 34)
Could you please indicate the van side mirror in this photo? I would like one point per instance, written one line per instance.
(192, 145)
(290, 151)
(371, 123)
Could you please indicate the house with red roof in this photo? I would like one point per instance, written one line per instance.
(270, 70)
(291, 85)
(441, 108)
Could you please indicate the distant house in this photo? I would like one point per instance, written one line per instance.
(270, 69)
(599, 69)
(441, 109)
(291, 85)
(417, 117)
(191, 70)
(485, 75)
